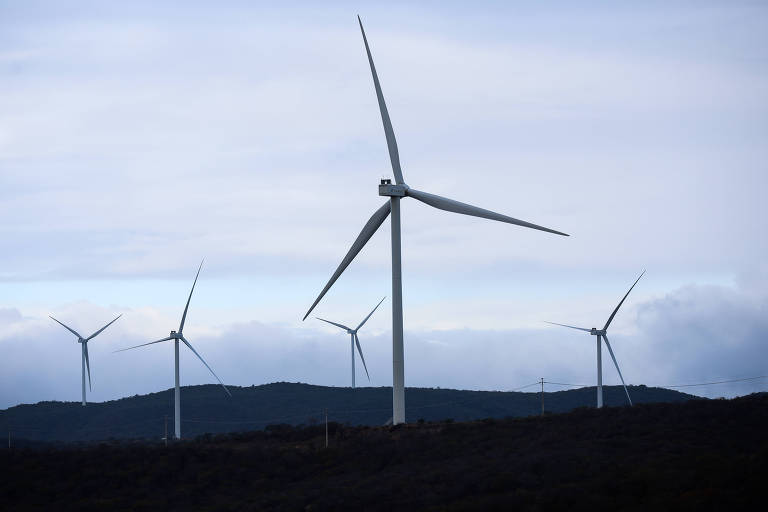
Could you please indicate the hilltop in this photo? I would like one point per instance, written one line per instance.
(696, 455)
(207, 409)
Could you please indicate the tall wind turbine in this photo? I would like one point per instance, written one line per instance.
(176, 336)
(602, 333)
(354, 340)
(395, 193)
(85, 363)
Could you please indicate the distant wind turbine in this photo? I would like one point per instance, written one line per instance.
(355, 340)
(395, 192)
(85, 363)
(601, 333)
(176, 336)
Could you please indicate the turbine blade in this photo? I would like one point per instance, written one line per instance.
(333, 323)
(369, 314)
(67, 328)
(87, 365)
(184, 316)
(100, 330)
(206, 364)
(368, 230)
(360, 351)
(570, 326)
(610, 351)
(394, 155)
(143, 344)
(610, 318)
(450, 205)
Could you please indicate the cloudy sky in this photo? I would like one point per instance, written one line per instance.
(137, 139)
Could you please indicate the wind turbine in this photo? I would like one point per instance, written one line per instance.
(602, 333)
(354, 340)
(176, 336)
(395, 193)
(84, 349)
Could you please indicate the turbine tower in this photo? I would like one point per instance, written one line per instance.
(602, 333)
(354, 340)
(395, 192)
(85, 363)
(176, 336)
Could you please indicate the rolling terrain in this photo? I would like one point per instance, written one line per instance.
(207, 409)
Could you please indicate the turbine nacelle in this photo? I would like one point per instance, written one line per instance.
(175, 335)
(597, 332)
(386, 188)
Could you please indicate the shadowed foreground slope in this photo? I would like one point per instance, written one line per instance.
(207, 409)
(696, 455)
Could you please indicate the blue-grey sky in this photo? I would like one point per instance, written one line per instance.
(136, 139)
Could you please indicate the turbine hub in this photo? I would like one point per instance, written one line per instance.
(386, 188)
(597, 332)
(175, 335)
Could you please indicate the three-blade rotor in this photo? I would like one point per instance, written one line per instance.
(433, 200)
(602, 333)
(179, 335)
(353, 332)
(85, 341)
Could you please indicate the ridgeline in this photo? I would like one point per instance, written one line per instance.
(207, 409)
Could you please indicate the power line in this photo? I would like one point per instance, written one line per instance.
(527, 386)
(726, 381)
(715, 382)
(565, 384)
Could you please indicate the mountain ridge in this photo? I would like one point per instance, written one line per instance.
(206, 409)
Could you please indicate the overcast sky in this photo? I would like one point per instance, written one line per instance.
(136, 140)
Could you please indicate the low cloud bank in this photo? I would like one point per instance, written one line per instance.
(694, 334)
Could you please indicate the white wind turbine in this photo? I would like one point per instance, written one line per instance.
(395, 192)
(85, 363)
(601, 333)
(354, 340)
(176, 336)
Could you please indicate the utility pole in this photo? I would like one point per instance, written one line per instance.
(542, 396)
(326, 427)
(166, 431)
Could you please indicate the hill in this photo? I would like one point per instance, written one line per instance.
(207, 409)
(697, 455)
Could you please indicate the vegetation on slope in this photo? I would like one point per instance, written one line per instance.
(697, 455)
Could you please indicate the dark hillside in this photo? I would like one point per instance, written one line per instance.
(697, 455)
(207, 409)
